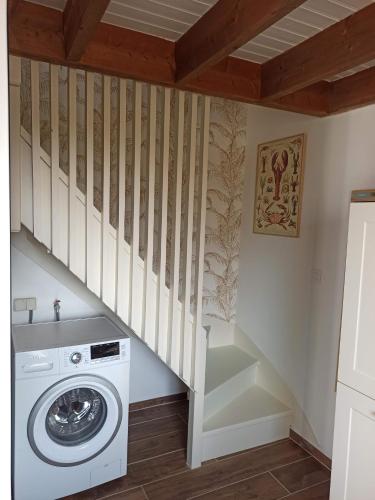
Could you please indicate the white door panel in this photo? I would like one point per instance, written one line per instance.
(357, 350)
(353, 472)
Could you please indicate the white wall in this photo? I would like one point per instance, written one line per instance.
(348, 162)
(293, 319)
(149, 377)
(5, 368)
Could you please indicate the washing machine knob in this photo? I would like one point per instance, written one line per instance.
(76, 358)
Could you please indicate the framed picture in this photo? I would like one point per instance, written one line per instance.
(279, 186)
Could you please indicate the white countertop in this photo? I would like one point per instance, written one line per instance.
(64, 333)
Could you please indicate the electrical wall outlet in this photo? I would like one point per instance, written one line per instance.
(24, 304)
(31, 304)
(316, 275)
(20, 305)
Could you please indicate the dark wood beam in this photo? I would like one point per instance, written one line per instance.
(232, 78)
(353, 91)
(80, 20)
(12, 7)
(342, 46)
(228, 25)
(37, 32)
(313, 100)
(130, 54)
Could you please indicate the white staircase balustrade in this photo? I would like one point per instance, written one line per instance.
(152, 280)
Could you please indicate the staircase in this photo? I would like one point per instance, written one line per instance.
(119, 199)
(110, 176)
(239, 413)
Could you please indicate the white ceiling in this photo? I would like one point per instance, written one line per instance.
(170, 19)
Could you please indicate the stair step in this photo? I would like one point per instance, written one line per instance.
(224, 363)
(253, 404)
(252, 419)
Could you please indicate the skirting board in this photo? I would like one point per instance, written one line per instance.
(294, 436)
(172, 398)
(231, 439)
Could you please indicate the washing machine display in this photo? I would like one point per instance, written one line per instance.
(105, 350)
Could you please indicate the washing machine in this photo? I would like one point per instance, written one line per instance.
(70, 406)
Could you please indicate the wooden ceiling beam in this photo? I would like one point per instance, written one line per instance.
(353, 91)
(80, 20)
(314, 100)
(228, 25)
(12, 7)
(340, 47)
(37, 32)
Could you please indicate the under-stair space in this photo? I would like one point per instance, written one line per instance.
(110, 176)
(238, 412)
(112, 182)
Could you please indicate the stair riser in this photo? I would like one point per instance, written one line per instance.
(224, 441)
(215, 400)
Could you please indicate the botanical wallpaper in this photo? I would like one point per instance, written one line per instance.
(224, 208)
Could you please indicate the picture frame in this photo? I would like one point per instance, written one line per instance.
(279, 186)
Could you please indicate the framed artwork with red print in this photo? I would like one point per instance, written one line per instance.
(279, 186)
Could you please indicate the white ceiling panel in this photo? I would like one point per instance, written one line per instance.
(170, 19)
(166, 18)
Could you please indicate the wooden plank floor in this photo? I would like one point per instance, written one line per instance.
(157, 469)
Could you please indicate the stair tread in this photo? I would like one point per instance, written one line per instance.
(253, 404)
(223, 363)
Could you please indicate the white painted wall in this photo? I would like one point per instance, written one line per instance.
(294, 320)
(5, 368)
(149, 377)
(348, 162)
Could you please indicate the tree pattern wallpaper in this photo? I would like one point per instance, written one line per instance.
(278, 187)
(227, 154)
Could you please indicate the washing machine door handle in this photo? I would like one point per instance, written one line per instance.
(37, 367)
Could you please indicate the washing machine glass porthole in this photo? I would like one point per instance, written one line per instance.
(76, 416)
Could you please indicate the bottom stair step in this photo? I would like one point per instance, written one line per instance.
(252, 419)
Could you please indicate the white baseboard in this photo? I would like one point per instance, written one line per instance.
(221, 442)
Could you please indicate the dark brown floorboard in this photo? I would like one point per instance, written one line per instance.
(303, 443)
(222, 473)
(136, 494)
(156, 427)
(302, 474)
(145, 472)
(166, 410)
(157, 467)
(157, 401)
(263, 486)
(155, 446)
(320, 492)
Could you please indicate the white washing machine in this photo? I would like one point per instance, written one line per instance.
(70, 406)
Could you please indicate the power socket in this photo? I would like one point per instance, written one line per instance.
(24, 304)
(31, 304)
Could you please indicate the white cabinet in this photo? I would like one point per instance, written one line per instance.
(357, 347)
(353, 471)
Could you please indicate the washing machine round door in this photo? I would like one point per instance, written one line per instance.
(74, 420)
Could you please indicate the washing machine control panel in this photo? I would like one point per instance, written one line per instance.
(76, 357)
(91, 355)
